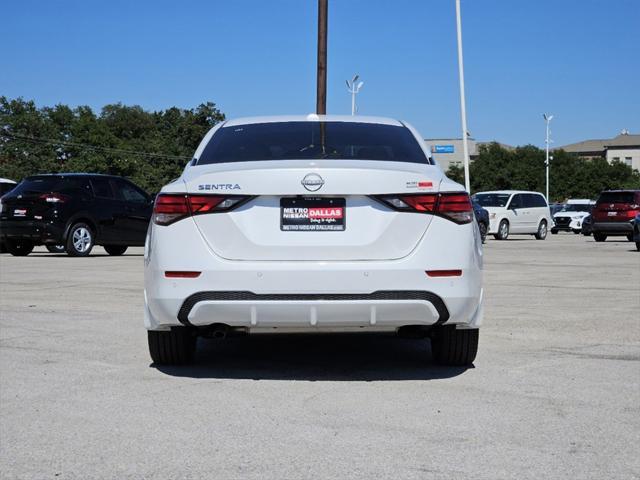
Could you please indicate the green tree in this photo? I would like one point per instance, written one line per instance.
(523, 168)
(150, 148)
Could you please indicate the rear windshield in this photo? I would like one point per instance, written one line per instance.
(311, 141)
(616, 197)
(49, 183)
(492, 199)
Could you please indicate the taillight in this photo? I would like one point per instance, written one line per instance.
(170, 207)
(54, 197)
(452, 206)
(456, 207)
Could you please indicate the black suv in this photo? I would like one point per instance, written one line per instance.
(72, 212)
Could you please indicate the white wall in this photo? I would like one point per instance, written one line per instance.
(623, 154)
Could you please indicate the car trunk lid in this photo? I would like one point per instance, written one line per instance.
(332, 193)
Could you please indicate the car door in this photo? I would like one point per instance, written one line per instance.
(104, 209)
(539, 211)
(136, 208)
(515, 214)
(529, 213)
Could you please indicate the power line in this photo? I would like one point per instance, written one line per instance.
(90, 147)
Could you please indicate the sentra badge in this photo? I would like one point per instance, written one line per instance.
(219, 186)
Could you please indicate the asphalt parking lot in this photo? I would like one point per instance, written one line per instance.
(555, 392)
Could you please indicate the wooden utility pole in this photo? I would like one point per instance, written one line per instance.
(321, 96)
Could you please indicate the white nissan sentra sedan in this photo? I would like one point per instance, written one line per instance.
(313, 224)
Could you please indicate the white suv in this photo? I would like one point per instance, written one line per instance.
(516, 212)
(313, 224)
(570, 217)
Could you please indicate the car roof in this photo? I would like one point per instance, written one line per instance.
(73, 174)
(629, 190)
(509, 192)
(313, 118)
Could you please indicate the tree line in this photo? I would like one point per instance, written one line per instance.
(523, 168)
(152, 148)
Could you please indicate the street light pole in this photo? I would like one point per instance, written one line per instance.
(321, 85)
(463, 108)
(547, 119)
(353, 88)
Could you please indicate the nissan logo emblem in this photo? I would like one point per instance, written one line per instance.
(312, 182)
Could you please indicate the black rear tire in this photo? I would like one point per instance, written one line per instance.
(541, 234)
(599, 237)
(115, 250)
(483, 231)
(56, 248)
(80, 240)
(630, 237)
(638, 246)
(174, 347)
(503, 231)
(454, 347)
(19, 248)
(554, 231)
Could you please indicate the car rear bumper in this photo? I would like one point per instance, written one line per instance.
(39, 232)
(613, 228)
(314, 296)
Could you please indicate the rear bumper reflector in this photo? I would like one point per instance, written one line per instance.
(444, 273)
(181, 274)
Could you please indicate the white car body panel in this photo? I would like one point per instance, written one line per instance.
(244, 251)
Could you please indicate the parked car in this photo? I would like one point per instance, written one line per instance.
(571, 216)
(636, 231)
(482, 217)
(614, 213)
(6, 186)
(516, 212)
(76, 210)
(313, 224)
(586, 225)
(555, 208)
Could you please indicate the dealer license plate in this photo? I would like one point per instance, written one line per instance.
(312, 214)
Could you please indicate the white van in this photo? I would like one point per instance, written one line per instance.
(516, 212)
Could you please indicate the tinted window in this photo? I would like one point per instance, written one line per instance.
(492, 199)
(516, 201)
(102, 187)
(38, 184)
(312, 140)
(616, 197)
(6, 187)
(533, 200)
(51, 183)
(129, 193)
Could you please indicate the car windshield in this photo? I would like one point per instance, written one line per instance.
(576, 208)
(312, 141)
(47, 183)
(492, 199)
(616, 197)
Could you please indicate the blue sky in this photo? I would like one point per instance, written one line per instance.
(578, 59)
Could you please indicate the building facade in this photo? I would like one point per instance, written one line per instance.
(624, 148)
(449, 151)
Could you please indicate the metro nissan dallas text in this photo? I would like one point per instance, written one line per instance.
(313, 224)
